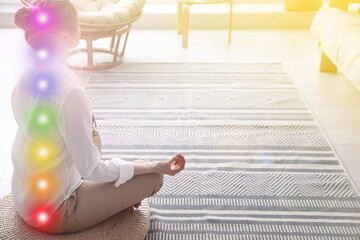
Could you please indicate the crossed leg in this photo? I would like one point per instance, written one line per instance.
(93, 202)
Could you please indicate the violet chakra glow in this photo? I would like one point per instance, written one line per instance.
(42, 19)
(43, 54)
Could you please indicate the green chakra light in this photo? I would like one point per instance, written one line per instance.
(42, 119)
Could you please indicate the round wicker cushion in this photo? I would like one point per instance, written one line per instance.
(124, 225)
(107, 11)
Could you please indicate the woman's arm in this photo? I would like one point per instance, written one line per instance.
(97, 142)
(76, 130)
(171, 167)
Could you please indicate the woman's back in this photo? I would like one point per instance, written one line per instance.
(55, 144)
(44, 173)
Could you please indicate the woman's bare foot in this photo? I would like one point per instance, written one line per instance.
(135, 206)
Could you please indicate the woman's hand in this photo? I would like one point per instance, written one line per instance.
(96, 136)
(95, 132)
(173, 166)
(94, 127)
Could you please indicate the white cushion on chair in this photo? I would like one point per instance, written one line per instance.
(108, 11)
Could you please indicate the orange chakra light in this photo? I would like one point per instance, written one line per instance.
(43, 185)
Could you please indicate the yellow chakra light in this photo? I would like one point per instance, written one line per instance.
(42, 153)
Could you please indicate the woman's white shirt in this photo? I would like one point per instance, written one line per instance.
(71, 143)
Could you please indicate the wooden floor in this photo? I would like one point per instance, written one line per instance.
(332, 98)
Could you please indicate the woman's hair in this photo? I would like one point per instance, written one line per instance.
(63, 23)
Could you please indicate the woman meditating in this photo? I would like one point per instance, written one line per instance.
(60, 184)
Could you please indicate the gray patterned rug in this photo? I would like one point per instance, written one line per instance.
(258, 164)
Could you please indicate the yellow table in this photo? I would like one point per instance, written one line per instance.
(183, 16)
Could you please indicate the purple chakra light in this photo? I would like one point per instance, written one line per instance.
(44, 84)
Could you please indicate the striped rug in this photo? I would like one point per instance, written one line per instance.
(258, 164)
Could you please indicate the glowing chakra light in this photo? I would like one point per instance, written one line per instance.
(42, 153)
(40, 215)
(42, 184)
(43, 84)
(42, 119)
(42, 18)
(43, 54)
(43, 217)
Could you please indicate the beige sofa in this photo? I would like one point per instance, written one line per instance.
(339, 33)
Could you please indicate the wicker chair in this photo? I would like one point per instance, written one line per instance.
(105, 19)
